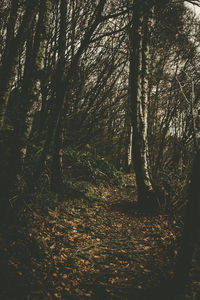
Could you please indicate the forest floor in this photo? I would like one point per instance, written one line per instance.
(96, 248)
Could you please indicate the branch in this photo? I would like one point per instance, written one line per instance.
(109, 34)
(86, 39)
(182, 91)
(113, 16)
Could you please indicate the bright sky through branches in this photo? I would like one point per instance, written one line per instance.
(195, 8)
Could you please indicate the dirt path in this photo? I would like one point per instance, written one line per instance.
(101, 248)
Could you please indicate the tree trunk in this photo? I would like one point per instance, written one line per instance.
(9, 162)
(11, 55)
(139, 53)
(28, 101)
(63, 81)
(191, 232)
(56, 176)
(128, 162)
(33, 74)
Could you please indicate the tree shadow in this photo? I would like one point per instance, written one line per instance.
(132, 208)
(166, 290)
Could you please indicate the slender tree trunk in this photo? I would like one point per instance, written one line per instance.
(139, 52)
(54, 135)
(9, 162)
(31, 86)
(6, 173)
(62, 83)
(145, 92)
(11, 55)
(33, 74)
(57, 176)
(57, 180)
(11, 25)
(129, 149)
(28, 100)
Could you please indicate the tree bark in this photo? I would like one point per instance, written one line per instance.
(56, 170)
(62, 83)
(28, 100)
(57, 174)
(33, 74)
(11, 55)
(191, 232)
(139, 55)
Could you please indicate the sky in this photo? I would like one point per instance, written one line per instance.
(195, 8)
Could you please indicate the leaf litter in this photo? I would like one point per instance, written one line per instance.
(84, 249)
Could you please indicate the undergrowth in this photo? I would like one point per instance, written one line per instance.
(89, 167)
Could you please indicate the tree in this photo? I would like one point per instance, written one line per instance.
(190, 238)
(13, 48)
(9, 146)
(174, 53)
(139, 60)
(65, 83)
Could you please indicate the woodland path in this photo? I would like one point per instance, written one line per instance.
(102, 248)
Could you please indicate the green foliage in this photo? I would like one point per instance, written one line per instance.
(82, 190)
(86, 166)
(82, 174)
